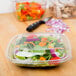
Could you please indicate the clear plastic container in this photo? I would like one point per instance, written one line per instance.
(63, 8)
(39, 49)
(30, 9)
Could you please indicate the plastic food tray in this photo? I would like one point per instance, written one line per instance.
(39, 63)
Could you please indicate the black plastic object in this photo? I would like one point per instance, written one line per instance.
(37, 24)
(34, 25)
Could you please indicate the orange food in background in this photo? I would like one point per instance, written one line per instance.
(29, 11)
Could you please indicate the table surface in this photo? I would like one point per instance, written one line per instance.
(10, 26)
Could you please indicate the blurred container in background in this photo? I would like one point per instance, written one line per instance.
(30, 9)
(63, 8)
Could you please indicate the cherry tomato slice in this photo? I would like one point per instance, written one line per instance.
(55, 58)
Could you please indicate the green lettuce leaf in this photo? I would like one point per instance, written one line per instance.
(21, 58)
(51, 38)
(39, 49)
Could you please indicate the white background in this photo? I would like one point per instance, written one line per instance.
(6, 6)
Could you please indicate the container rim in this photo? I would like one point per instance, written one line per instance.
(68, 57)
(45, 3)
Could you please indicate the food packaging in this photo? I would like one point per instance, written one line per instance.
(39, 49)
(29, 9)
(63, 8)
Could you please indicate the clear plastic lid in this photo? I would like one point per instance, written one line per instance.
(39, 49)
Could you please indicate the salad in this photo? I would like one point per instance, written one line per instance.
(29, 11)
(39, 48)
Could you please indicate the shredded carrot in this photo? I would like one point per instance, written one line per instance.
(42, 44)
(17, 46)
(43, 39)
(30, 43)
(42, 58)
(50, 47)
(58, 48)
(26, 42)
